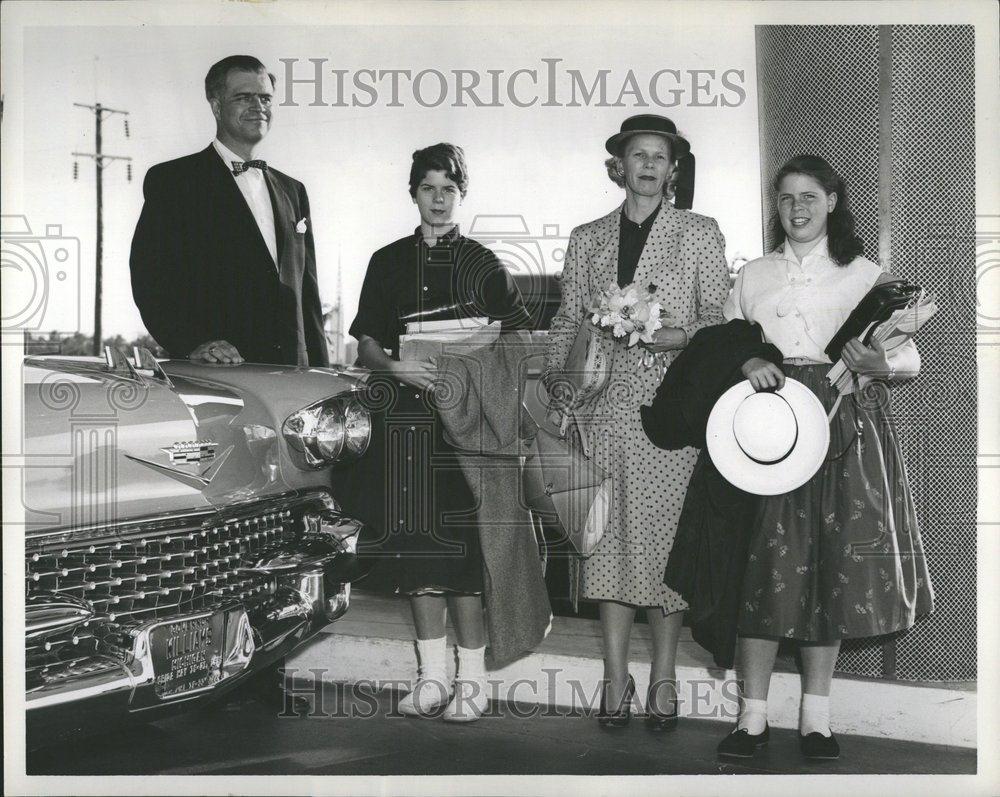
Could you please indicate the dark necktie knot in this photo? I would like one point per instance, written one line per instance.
(241, 166)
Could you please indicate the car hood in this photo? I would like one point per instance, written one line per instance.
(105, 444)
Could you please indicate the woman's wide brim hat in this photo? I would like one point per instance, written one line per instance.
(648, 123)
(768, 443)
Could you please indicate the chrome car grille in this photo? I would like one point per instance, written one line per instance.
(155, 570)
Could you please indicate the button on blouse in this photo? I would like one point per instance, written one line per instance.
(800, 304)
(409, 275)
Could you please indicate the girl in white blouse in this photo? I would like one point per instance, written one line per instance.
(841, 556)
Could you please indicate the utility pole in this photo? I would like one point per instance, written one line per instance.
(99, 157)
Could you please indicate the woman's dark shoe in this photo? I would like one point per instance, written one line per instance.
(816, 745)
(741, 744)
(620, 716)
(657, 721)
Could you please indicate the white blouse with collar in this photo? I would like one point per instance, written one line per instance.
(800, 304)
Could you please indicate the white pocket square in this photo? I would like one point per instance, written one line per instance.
(301, 226)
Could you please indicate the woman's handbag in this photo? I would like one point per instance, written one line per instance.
(562, 485)
(587, 369)
(874, 308)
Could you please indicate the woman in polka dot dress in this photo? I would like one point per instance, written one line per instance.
(647, 241)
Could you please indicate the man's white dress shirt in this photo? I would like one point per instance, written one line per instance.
(253, 186)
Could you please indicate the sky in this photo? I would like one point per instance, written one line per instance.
(542, 164)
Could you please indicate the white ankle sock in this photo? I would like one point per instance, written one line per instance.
(814, 714)
(471, 663)
(470, 700)
(430, 690)
(753, 716)
(431, 655)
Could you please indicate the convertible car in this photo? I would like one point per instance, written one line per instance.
(181, 533)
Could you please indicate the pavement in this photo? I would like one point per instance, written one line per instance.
(374, 641)
(356, 731)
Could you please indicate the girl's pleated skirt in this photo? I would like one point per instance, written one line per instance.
(841, 556)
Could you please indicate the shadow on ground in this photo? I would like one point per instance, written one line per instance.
(362, 734)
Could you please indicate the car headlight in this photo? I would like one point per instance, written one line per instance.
(336, 429)
(357, 427)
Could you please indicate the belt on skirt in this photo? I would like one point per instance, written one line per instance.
(805, 361)
(800, 361)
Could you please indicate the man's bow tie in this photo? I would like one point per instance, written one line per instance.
(240, 166)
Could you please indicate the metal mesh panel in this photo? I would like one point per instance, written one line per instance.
(818, 94)
(814, 98)
(933, 243)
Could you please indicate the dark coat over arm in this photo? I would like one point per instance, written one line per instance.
(710, 551)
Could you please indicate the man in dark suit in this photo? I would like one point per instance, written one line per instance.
(223, 261)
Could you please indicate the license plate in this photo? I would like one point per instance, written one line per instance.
(187, 655)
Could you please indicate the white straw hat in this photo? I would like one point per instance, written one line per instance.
(768, 443)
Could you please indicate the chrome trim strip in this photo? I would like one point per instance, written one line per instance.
(171, 520)
(113, 676)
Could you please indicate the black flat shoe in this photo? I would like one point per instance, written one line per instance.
(816, 745)
(657, 722)
(619, 717)
(741, 744)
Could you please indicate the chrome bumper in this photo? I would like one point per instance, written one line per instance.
(309, 587)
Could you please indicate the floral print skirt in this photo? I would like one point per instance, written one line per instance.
(841, 556)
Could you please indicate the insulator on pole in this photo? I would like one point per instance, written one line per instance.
(126, 128)
(128, 172)
(76, 170)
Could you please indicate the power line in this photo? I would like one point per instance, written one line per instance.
(100, 113)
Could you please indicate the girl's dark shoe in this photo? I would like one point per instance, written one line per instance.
(741, 744)
(620, 716)
(816, 745)
(657, 721)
